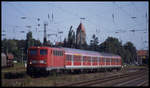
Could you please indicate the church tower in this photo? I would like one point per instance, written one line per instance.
(80, 36)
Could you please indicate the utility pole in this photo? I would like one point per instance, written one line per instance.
(45, 38)
(60, 32)
(22, 55)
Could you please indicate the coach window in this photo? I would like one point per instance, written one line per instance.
(104, 59)
(68, 57)
(92, 59)
(84, 58)
(78, 59)
(61, 53)
(54, 53)
(108, 59)
(89, 59)
(115, 60)
(99, 59)
(96, 59)
(58, 53)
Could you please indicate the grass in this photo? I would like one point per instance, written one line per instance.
(51, 80)
(133, 66)
(17, 68)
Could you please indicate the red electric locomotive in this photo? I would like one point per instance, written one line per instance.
(47, 59)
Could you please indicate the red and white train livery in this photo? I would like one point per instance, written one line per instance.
(67, 59)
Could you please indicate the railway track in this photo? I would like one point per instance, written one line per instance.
(132, 80)
(137, 80)
(104, 80)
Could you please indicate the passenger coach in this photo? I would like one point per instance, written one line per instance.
(41, 59)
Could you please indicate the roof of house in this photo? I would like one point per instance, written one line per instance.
(142, 52)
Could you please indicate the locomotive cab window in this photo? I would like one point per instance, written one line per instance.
(33, 52)
(43, 52)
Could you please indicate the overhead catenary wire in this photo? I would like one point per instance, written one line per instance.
(19, 11)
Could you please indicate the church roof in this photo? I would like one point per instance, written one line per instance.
(81, 27)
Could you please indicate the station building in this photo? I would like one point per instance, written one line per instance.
(142, 56)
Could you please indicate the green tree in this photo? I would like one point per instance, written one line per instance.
(29, 41)
(131, 54)
(11, 46)
(65, 43)
(110, 45)
(94, 43)
(36, 42)
(71, 38)
(113, 45)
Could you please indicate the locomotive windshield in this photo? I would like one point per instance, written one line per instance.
(33, 52)
(43, 52)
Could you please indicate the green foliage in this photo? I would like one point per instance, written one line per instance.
(110, 45)
(94, 43)
(130, 54)
(71, 39)
(19, 47)
(126, 51)
(65, 43)
(29, 40)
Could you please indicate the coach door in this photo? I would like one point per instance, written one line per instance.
(58, 59)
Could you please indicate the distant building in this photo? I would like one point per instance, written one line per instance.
(142, 56)
(80, 35)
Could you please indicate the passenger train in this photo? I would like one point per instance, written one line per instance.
(48, 59)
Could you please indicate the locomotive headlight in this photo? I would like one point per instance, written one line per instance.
(30, 62)
(34, 61)
(42, 61)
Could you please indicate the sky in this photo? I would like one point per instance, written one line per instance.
(104, 19)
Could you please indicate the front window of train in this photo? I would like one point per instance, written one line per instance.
(36, 59)
(33, 52)
(43, 52)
